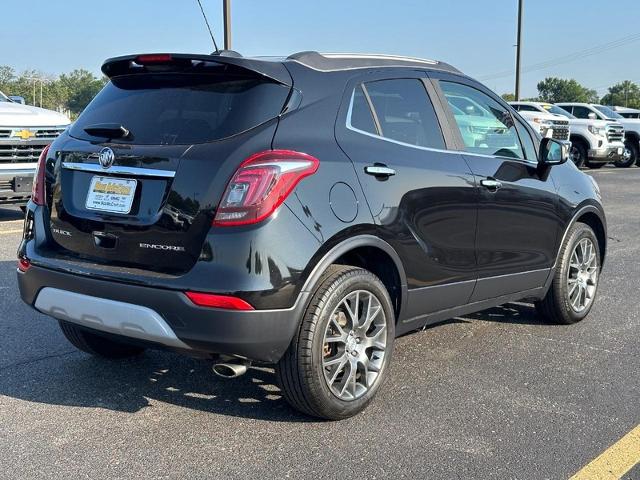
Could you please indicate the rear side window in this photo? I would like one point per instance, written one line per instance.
(581, 112)
(174, 108)
(404, 112)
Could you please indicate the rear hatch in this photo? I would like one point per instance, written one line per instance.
(140, 173)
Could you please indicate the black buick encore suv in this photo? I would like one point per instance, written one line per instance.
(303, 212)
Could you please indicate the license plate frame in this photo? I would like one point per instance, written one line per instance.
(107, 198)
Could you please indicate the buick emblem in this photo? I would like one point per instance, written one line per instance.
(106, 158)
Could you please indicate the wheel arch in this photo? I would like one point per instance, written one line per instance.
(594, 217)
(576, 137)
(369, 252)
(632, 135)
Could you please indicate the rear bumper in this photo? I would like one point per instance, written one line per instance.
(15, 185)
(164, 317)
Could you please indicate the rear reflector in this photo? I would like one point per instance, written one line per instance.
(153, 58)
(23, 264)
(261, 184)
(218, 301)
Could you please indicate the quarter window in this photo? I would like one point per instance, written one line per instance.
(485, 125)
(361, 117)
(405, 113)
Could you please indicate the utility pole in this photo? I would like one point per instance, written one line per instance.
(518, 47)
(626, 94)
(226, 15)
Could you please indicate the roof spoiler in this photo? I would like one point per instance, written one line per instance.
(150, 62)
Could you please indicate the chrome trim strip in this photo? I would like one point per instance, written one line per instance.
(480, 279)
(118, 170)
(537, 270)
(354, 129)
(428, 149)
(377, 56)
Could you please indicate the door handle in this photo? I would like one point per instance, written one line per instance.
(379, 170)
(491, 184)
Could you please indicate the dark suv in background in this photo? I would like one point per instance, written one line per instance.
(302, 212)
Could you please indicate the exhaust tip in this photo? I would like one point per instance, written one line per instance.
(229, 370)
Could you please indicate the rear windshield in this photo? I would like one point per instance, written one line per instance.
(179, 108)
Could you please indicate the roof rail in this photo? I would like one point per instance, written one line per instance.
(346, 61)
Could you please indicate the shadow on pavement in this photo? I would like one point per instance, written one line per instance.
(515, 313)
(76, 379)
(59, 375)
(10, 213)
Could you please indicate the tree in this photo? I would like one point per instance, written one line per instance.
(82, 86)
(508, 97)
(7, 75)
(624, 94)
(553, 90)
(70, 92)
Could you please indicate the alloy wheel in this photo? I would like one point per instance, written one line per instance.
(582, 275)
(354, 345)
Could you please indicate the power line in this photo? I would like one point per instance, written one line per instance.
(569, 57)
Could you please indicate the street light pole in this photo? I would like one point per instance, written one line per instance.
(518, 47)
(226, 15)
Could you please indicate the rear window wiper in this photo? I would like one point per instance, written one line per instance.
(107, 130)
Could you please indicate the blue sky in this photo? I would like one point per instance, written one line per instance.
(474, 35)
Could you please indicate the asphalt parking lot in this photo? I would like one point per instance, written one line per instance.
(494, 395)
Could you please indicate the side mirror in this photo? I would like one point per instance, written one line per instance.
(553, 152)
(592, 116)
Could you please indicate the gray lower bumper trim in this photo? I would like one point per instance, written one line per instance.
(109, 316)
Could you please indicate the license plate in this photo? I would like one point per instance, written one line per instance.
(108, 194)
(620, 150)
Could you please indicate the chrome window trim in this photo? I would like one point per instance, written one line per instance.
(118, 170)
(357, 130)
(428, 149)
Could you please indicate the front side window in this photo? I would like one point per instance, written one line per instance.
(485, 125)
(527, 141)
(405, 113)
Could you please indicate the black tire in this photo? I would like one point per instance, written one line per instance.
(301, 373)
(632, 147)
(579, 153)
(594, 165)
(97, 345)
(555, 307)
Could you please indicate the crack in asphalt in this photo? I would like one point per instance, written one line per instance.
(36, 360)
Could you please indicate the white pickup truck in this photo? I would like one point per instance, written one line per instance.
(631, 128)
(24, 132)
(545, 123)
(594, 142)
